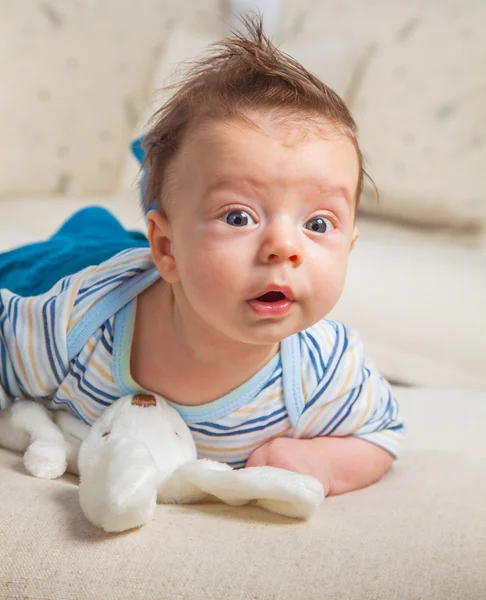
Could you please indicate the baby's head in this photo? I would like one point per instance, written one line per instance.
(254, 171)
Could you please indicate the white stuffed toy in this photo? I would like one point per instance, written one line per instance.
(138, 453)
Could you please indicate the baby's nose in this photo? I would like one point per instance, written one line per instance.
(285, 253)
(282, 244)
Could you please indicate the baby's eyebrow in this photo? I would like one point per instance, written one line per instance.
(321, 189)
(336, 191)
(241, 183)
(325, 190)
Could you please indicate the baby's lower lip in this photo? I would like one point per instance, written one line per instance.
(271, 309)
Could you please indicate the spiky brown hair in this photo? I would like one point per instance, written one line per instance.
(242, 73)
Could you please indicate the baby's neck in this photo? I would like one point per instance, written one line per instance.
(185, 364)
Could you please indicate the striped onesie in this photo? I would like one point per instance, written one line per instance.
(71, 348)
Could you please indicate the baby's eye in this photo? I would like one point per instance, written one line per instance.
(319, 225)
(238, 218)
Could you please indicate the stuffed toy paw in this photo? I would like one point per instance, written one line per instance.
(277, 490)
(27, 426)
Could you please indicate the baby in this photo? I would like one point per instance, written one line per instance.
(252, 179)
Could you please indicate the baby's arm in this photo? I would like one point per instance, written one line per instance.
(341, 464)
(349, 430)
(33, 352)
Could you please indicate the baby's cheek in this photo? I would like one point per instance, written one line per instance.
(328, 285)
(209, 276)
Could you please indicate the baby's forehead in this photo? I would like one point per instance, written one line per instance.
(268, 153)
(271, 146)
(266, 138)
(290, 128)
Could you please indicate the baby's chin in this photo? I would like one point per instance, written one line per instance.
(268, 332)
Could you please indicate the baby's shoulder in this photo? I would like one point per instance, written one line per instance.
(327, 342)
(118, 268)
(323, 336)
(94, 283)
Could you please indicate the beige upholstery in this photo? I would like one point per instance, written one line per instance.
(75, 80)
(420, 534)
(418, 302)
(427, 85)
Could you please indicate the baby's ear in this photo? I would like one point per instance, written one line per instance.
(160, 238)
(354, 237)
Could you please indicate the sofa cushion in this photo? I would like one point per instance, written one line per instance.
(417, 299)
(75, 78)
(419, 534)
(421, 111)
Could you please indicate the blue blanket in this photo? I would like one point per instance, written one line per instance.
(89, 237)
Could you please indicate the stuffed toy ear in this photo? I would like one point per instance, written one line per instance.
(277, 490)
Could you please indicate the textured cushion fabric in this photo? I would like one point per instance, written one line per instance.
(419, 534)
(421, 111)
(418, 302)
(89, 66)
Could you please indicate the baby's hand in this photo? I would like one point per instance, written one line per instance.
(341, 464)
(294, 455)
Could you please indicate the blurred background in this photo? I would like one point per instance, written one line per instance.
(79, 80)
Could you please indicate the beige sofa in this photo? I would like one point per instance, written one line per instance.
(420, 534)
(416, 292)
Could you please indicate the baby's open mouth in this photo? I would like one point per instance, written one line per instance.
(271, 297)
(274, 303)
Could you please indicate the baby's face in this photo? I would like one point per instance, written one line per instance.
(261, 223)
